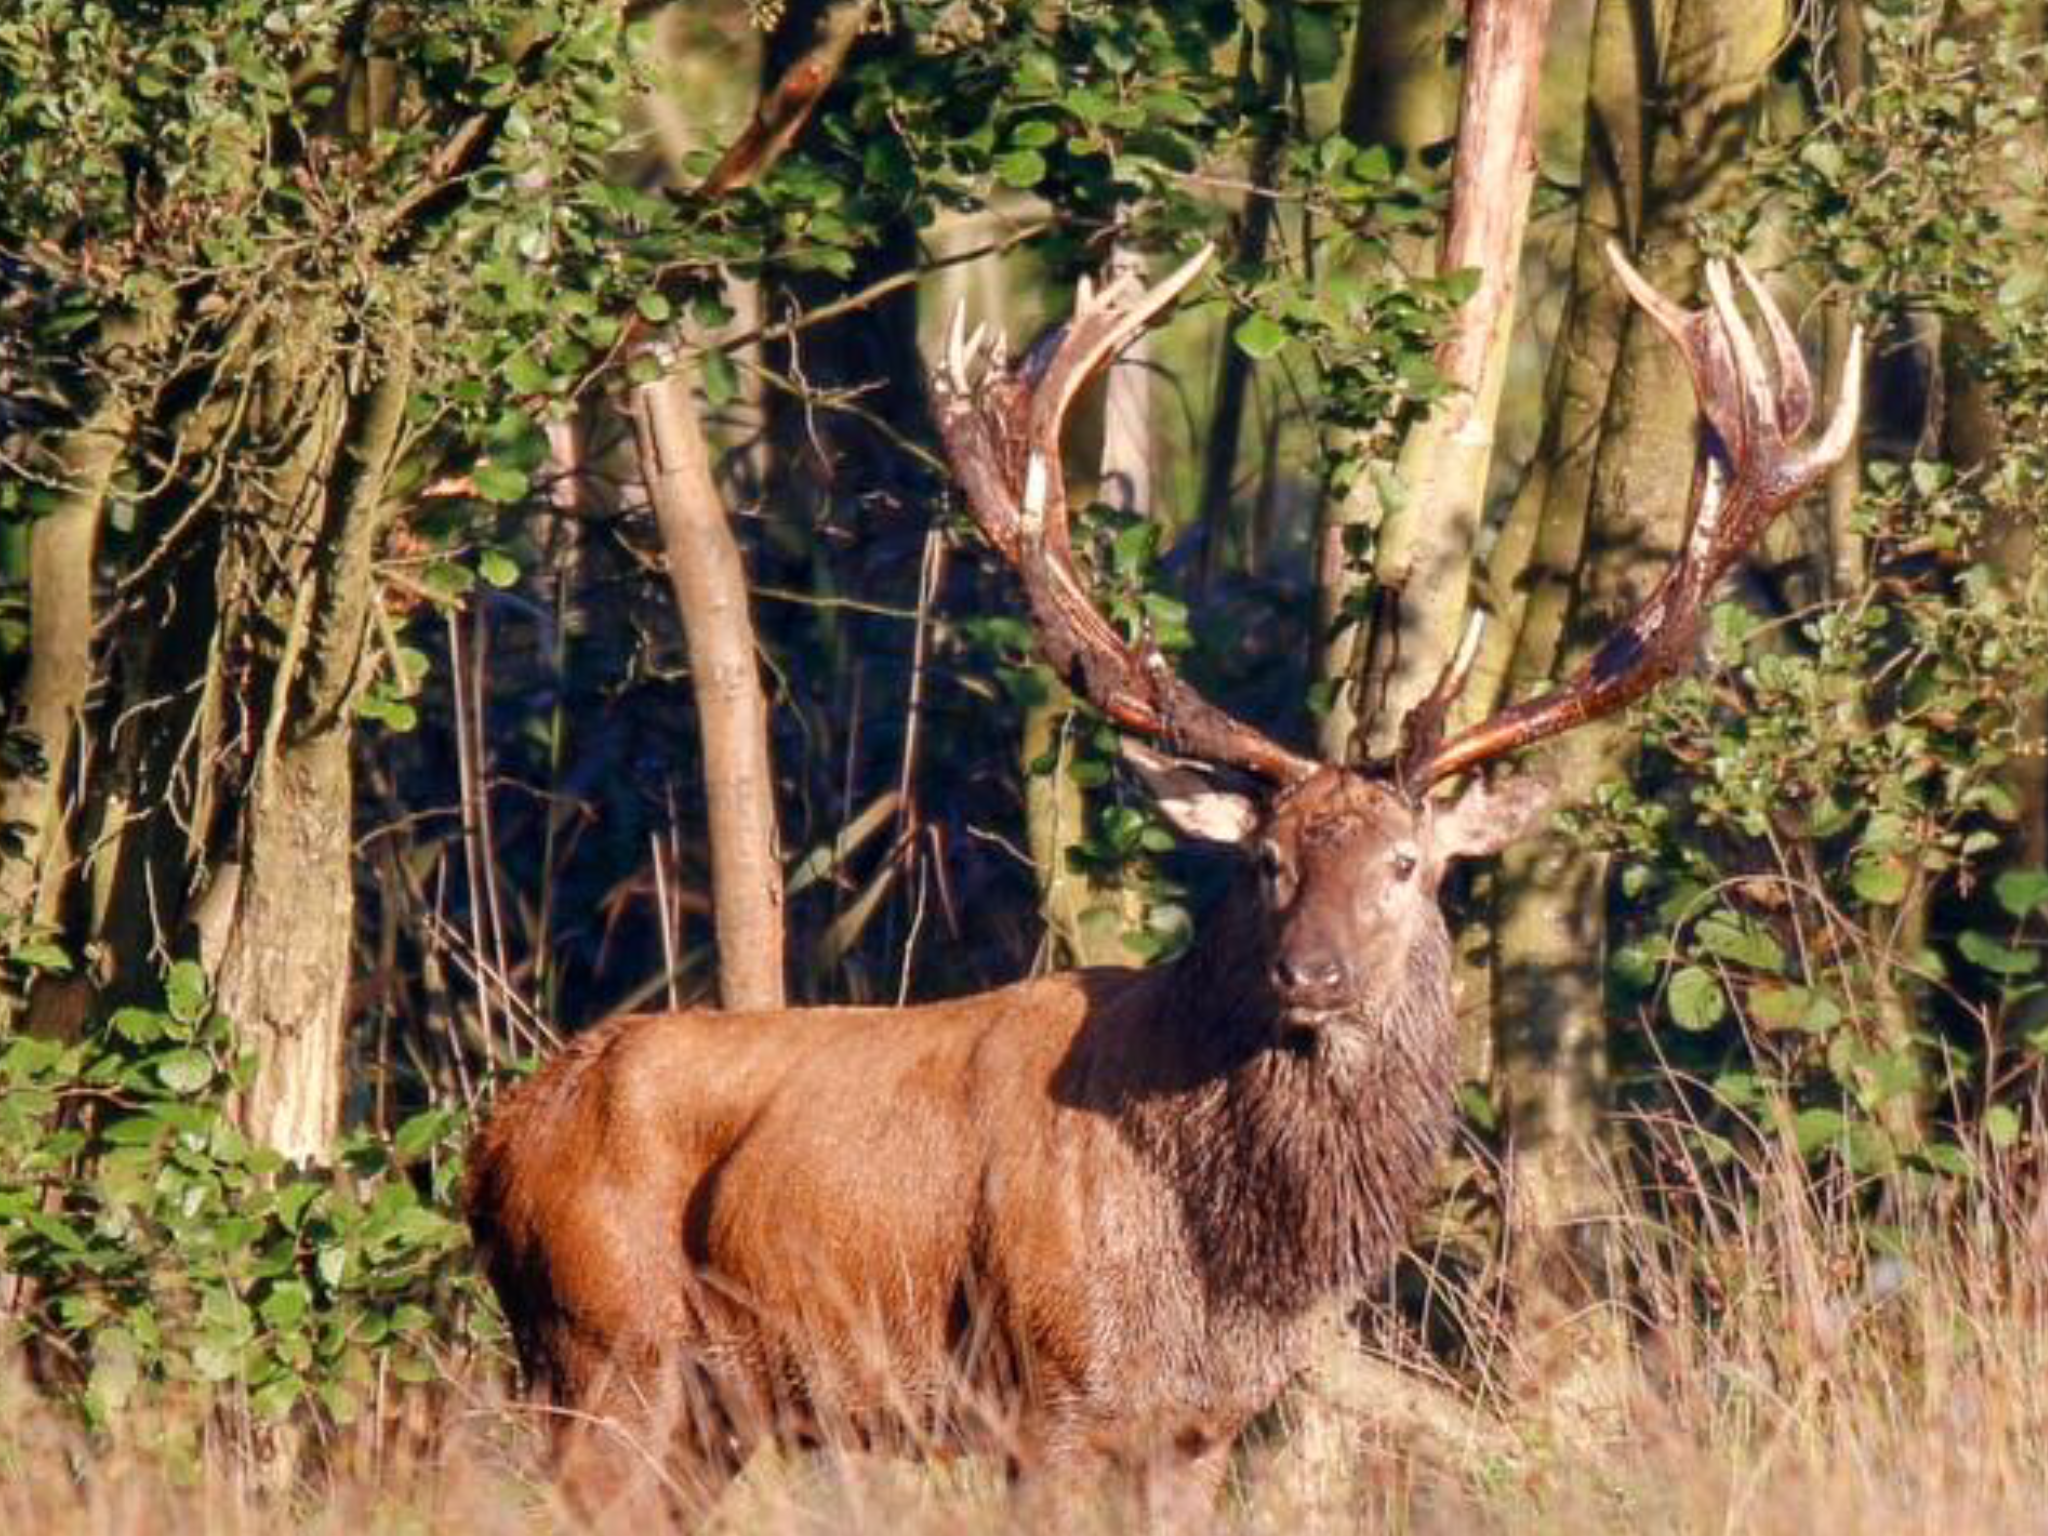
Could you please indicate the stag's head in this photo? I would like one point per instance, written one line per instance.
(1348, 860)
(1347, 872)
(1343, 874)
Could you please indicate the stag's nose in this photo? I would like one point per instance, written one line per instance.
(1309, 976)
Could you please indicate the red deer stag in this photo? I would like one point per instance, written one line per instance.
(1085, 1220)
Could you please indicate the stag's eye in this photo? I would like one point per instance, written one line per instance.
(1275, 874)
(1271, 865)
(1404, 864)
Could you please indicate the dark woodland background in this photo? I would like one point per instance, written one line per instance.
(354, 752)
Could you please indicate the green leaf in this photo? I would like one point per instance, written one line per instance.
(1460, 285)
(1893, 1075)
(216, 1359)
(1020, 168)
(1983, 950)
(292, 1202)
(501, 483)
(653, 306)
(721, 379)
(1373, 163)
(1695, 999)
(185, 992)
(1823, 158)
(420, 1132)
(1740, 1089)
(525, 374)
(380, 706)
(41, 955)
(340, 1402)
(1879, 880)
(1259, 337)
(1171, 107)
(1946, 1157)
(1776, 1007)
(1742, 943)
(498, 568)
(2021, 891)
(274, 1401)
(2001, 1125)
(1928, 476)
(1318, 44)
(1815, 1129)
(1868, 1148)
(140, 1026)
(287, 1303)
(185, 1071)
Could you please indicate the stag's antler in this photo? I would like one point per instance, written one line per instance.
(1751, 470)
(1002, 424)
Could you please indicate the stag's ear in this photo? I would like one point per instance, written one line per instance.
(1189, 797)
(1487, 817)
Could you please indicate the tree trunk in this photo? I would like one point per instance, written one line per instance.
(53, 696)
(1402, 90)
(1550, 1024)
(1254, 228)
(1535, 561)
(284, 968)
(284, 973)
(710, 585)
(1424, 558)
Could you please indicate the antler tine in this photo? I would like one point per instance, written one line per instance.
(1697, 335)
(1757, 410)
(1841, 428)
(1422, 728)
(966, 352)
(954, 375)
(1002, 429)
(1752, 472)
(1795, 383)
(1104, 320)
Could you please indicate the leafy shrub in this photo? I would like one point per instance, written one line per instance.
(155, 1248)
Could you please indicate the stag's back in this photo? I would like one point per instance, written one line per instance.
(857, 1193)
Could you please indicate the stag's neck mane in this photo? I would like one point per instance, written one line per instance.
(1301, 1158)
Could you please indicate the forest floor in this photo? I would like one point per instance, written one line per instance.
(1915, 1399)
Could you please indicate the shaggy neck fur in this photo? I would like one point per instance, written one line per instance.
(1301, 1157)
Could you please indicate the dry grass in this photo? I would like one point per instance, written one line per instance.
(1773, 1382)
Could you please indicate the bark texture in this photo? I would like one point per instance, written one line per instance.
(1534, 562)
(288, 939)
(1549, 1019)
(60, 669)
(1423, 565)
(710, 585)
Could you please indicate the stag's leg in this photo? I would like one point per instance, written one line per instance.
(641, 1442)
(638, 1439)
(1066, 1472)
(1182, 1479)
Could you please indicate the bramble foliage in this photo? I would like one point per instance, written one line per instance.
(160, 1251)
(1823, 882)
